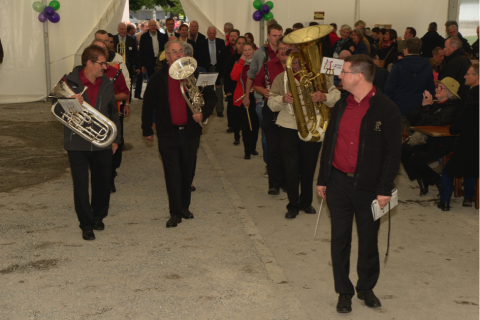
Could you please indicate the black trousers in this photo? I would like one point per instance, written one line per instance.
(415, 161)
(250, 137)
(118, 155)
(138, 85)
(233, 117)
(100, 163)
(178, 156)
(344, 202)
(299, 160)
(276, 173)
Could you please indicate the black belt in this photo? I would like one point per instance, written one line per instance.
(350, 175)
(180, 126)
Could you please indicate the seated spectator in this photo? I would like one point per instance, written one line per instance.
(381, 74)
(333, 35)
(415, 155)
(434, 63)
(388, 47)
(249, 37)
(360, 43)
(464, 161)
(337, 82)
(344, 42)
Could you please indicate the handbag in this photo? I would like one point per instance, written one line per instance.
(381, 64)
(417, 139)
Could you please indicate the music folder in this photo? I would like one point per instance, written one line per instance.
(70, 105)
(206, 79)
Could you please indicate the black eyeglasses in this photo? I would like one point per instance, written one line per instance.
(103, 64)
(343, 72)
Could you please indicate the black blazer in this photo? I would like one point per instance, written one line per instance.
(200, 38)
(131, 53)
(176, 34)
(203, 53)
(146, 48)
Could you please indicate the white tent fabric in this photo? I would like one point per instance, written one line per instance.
(22, 73)
(400, 14)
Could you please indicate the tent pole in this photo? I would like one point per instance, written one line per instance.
(262, 30)
(47, 55)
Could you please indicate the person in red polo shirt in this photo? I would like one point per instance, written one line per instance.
(276, 176)
(178, 131)
(82, 154)
(359, 162)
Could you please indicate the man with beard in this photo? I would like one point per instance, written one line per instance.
(225, 52)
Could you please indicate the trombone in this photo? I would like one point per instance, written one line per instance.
(121, 50)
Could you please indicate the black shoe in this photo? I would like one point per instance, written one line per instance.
(187, 214)
(173, 221)
(139, 98)
(255, 153)
(247, 157)
(98, 225)
(344, 304)
(273, 191)
(467, 202)
(88, 234)
(284, 189)
(230, 130)
(423, 187)
(192, 188)
(236, 142)
(220, 114)
(112, 188)
(369, 297)
(291, 214)
(443, 206)
(309, 210)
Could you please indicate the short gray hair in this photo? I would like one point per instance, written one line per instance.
(228, 25)
(121, 24)
(212, 27)
(194, 21)
(455, 42)
(346, 27)
(169, 43)
(451, 23)
(452, 27)
(188, 49)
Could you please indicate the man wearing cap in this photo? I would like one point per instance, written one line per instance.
(409, 78)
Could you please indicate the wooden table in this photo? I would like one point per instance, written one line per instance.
(434, 131)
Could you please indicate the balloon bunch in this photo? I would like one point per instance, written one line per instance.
(47, 12)
(263, 10)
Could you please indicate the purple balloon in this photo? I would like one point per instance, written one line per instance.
(55, 18)
(265, 9)
(42, 17)
(257, 15)
(49, 11)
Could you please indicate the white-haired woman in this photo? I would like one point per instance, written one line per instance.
(345, 31)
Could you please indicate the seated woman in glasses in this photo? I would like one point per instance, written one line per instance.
(417, 153)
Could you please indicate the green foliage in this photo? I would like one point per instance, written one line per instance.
(175, 5)
(176, 9)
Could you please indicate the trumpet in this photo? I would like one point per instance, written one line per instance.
(82, 122)
(183, 69)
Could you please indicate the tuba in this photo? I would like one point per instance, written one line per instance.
(310, 116)
(183, 69)
(82, 122)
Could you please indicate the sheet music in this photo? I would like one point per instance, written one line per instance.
(206, 79)
(331, 63)
(70, 105)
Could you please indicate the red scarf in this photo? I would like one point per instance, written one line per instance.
(386, 44)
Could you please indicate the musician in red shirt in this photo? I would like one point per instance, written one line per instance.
(359, 162)
(178, 131)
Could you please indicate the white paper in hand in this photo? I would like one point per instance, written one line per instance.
(379, 212)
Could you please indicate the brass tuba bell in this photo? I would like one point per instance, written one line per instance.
(183, 69)
(121, 50)
(309, 115)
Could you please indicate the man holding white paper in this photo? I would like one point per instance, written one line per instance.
(359, 162)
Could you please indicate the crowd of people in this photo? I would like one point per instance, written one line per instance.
(387, 85)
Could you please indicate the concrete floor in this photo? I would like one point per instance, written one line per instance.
(238, 259)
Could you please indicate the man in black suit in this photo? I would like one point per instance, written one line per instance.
(207, 55)
(193, 34)
(170, 32)
(431, 40)
(183, 30)
(133, 61)
(152, 44)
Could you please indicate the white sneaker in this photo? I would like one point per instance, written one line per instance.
(266, 173)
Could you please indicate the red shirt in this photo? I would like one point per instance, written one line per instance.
(274, 67)
(271, 54)
(92, 91)
(348, 137)
(119, 85)
(178, 105)
(233, 49)
(333, 38)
